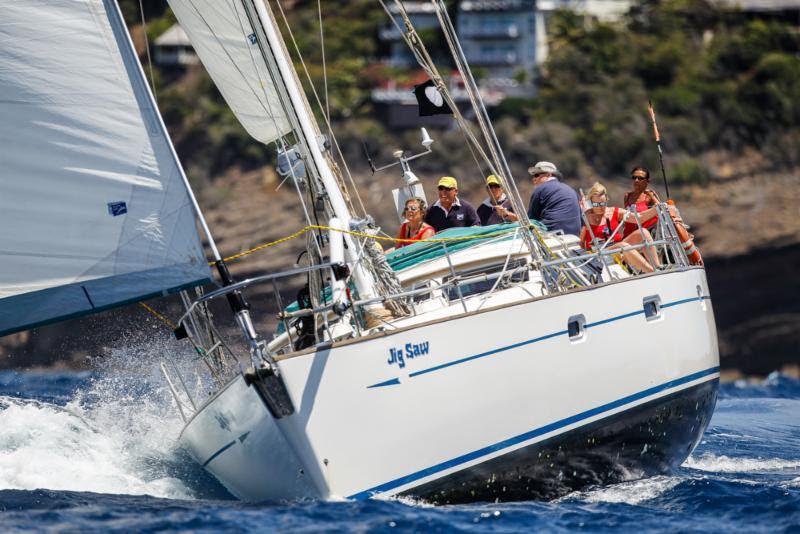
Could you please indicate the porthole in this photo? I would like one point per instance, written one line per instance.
(652, 307)
(576, 328)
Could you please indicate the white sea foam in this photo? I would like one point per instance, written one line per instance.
(633, 492)
(793, 483)
(723, 464)
(117, 436)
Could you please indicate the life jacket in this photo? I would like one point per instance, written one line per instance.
(639, 207)
(603, 230)
(404, 232)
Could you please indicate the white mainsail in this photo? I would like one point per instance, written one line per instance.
(93, 207)
(225, 41)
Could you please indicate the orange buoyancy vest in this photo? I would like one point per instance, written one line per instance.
(405, 232)
(640, 207)
(603, 230)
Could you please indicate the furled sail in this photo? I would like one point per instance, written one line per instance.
(93, 207)
(225, 41)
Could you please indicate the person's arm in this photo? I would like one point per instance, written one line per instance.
(506, 212)
(429, 232)
(472, 215)
(535, 208)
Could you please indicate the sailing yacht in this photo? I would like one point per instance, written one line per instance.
(484, 364)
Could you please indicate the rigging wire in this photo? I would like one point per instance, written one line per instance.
(538, 247)
(319, 103)
(324, 67)
(147, 50)
(280, 142)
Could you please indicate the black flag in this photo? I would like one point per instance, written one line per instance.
(430, 100)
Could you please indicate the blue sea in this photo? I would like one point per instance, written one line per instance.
(96, 451)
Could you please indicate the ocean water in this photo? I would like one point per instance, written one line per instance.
(96, 451)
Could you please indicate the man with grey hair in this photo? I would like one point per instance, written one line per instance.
(553, 203)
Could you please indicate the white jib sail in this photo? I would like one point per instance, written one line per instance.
(93, 208)
(225, 41)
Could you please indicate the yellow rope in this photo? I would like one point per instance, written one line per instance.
(364, 235)
(158, 316)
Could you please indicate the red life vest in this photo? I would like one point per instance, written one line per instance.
(404, 232)
(603, 230)
(640, 207)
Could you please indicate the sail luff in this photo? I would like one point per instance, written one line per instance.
(163, 127)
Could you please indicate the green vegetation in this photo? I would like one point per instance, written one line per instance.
(719, 80)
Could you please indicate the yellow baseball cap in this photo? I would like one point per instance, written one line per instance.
(493, 180)
(448, 182)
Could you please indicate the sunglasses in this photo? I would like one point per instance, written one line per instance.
(597, 204)
(443, 188)
(412, 209)
(493, 186)
(538, 174)
(638, 178)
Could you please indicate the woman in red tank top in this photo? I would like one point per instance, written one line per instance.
(605, 226)
(640, 199)
(414, 228)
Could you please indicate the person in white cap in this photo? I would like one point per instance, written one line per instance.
(553, 203)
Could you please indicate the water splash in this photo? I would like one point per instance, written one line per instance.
(724, 464)
(116, 432)
(633, 492)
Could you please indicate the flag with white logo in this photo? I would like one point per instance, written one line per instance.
(430, 100)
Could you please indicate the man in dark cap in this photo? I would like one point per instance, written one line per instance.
(553, 203)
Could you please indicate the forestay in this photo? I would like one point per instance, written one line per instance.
(223, 37)
(93, 207)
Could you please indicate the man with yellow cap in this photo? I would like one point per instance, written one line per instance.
(450, 211)
(496, 209)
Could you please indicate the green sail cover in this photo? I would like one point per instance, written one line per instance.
(416, 253)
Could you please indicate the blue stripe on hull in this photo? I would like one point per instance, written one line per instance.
(396, 381)
(505, 444)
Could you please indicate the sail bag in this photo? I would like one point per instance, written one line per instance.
(94, 212)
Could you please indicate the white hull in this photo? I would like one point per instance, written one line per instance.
(492, 382)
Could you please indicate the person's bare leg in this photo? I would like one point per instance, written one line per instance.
(649, 251)
(633, 258)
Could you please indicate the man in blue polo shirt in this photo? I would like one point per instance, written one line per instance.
(553, 203)
(450, 211)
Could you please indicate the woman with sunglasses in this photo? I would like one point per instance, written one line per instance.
(414, 227)
(603, 225)
(639, 200)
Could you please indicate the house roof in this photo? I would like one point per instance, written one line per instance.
(175, 36)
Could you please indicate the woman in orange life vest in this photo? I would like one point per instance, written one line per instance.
(639, 200)
(604, 223)
(414, 228)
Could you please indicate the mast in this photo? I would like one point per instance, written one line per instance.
(295, 105)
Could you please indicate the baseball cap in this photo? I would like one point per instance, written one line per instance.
(448, 182)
